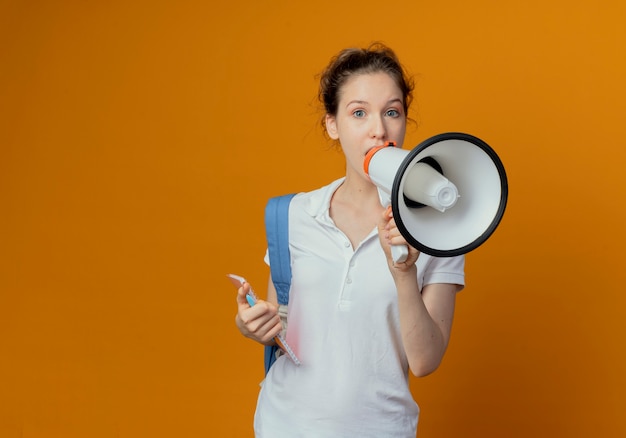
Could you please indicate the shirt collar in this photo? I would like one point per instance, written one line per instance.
(319, 202)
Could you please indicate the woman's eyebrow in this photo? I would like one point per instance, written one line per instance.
(358, 102)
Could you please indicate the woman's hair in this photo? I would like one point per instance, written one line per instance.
(373, 59)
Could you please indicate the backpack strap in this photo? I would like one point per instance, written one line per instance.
(277, 233)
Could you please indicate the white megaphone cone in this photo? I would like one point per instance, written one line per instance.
(448, 194)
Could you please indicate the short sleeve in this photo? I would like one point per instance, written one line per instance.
(444, 270)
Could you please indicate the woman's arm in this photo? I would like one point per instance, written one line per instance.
(425, 318)
(425, 322)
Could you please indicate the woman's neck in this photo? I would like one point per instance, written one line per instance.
(355, 208)
(357, 190)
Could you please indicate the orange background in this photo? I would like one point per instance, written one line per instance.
(139, 142)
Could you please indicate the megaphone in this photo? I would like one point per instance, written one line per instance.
(448, 194)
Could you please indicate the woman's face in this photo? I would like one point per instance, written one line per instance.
(370, 112)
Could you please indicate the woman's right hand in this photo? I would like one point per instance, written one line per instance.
(259, 322)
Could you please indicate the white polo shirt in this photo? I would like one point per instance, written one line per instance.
(344, 327)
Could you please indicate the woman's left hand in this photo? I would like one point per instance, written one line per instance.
(389, 234)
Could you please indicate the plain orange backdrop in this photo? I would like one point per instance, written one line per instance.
(139, 142)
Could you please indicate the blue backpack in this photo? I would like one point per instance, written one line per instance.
(277, 233)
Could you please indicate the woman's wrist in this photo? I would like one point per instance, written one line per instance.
(404, 277)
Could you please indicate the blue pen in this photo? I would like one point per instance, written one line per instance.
(251, 300)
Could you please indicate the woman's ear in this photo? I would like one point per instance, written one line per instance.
(331, 127)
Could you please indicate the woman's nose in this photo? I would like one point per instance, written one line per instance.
(378, 129)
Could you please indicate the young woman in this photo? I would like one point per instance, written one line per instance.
(358, 321)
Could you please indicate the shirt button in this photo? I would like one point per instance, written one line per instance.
(349, 281)
(346, 244)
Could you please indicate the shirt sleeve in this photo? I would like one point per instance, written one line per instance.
(444, 270)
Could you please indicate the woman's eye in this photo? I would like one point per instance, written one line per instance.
(359, 113)
(393, 113)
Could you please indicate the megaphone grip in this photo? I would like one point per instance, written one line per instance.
(399, 253)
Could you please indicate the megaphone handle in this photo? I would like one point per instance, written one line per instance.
(399, 253)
